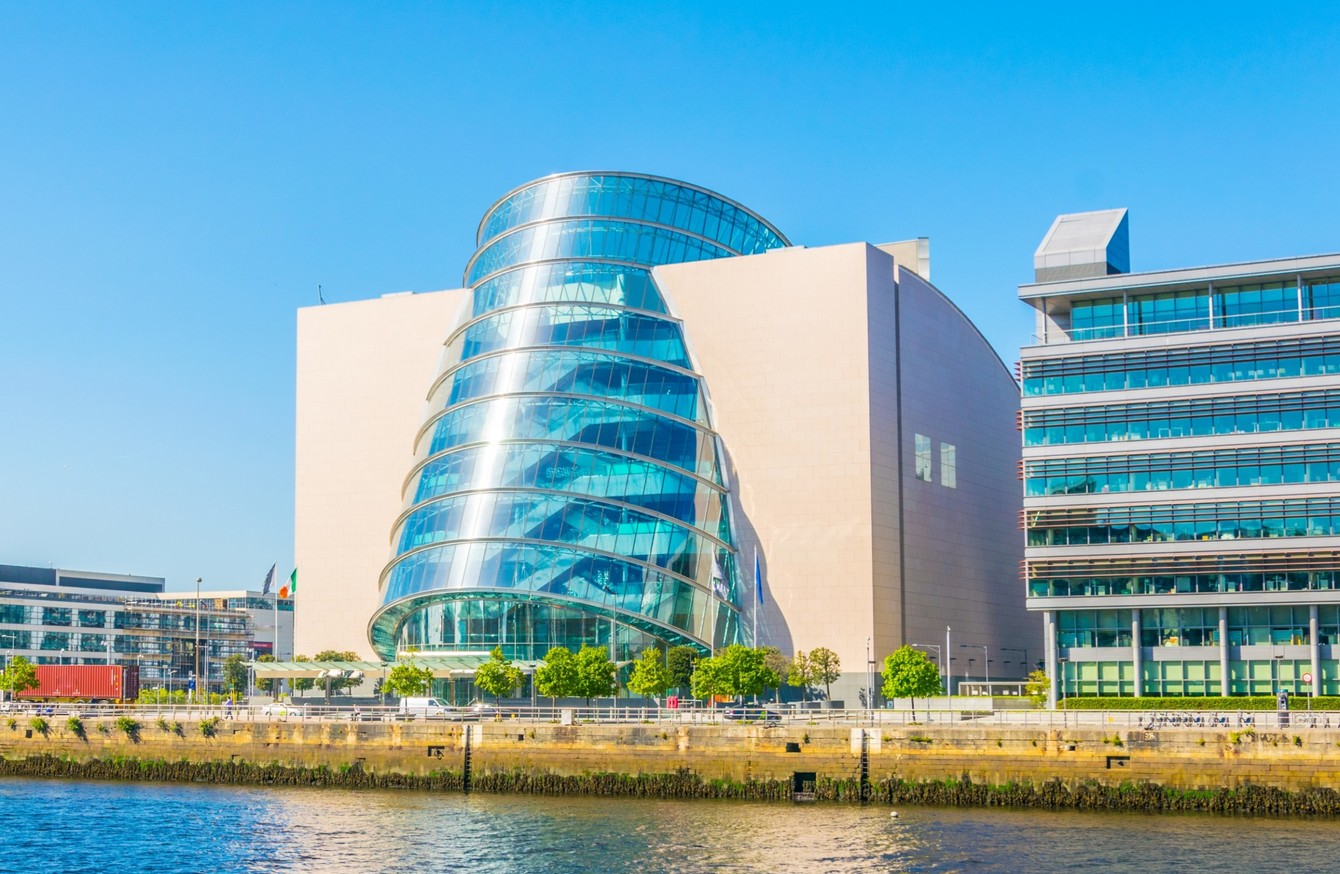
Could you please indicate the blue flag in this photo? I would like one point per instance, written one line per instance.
(269, 580)
(758, 580)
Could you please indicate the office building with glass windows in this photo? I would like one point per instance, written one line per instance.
(642, 385)
(1181, 445)
(53, 616)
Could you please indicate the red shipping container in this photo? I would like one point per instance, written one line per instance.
(85, 682)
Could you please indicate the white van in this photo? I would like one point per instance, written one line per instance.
(419, 708)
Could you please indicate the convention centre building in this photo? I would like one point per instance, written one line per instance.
(649, 420)
(1181, 445)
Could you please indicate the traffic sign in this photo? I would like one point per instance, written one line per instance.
(1307, 678)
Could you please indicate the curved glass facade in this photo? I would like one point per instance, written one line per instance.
(567, 487)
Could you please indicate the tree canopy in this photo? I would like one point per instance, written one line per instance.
(680, 661)
(650, 677)
(710, 679)
(595, 673)
(498, 675)
(302, 684)
(266, 685)
(235, 674)
(19, 677)
(736, 670)
(1039, 685)
(556, 677)
(826, 668)
(338, 655)
(779, 664)
(408, 679)
(800, 674)
(909, 673)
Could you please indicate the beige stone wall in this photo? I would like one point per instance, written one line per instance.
(822, 366)
(781, 341)
(364, 369)
(996, 755)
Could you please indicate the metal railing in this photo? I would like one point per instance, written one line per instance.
(1146, 720)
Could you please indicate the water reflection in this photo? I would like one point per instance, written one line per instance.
(70, 826)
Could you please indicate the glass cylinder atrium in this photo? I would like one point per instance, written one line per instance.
(567, 486)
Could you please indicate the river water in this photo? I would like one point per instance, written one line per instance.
(50, 825)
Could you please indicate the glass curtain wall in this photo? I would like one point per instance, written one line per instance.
(567, 487)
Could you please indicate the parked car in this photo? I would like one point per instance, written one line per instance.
(423, 708)
(481, 709)
(752, 713)
(282, 709)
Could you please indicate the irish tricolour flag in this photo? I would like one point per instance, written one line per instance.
(289, 589)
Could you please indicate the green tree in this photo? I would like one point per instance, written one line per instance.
(680, 661)
(650, 677)
(267, 685)
(737, 670)
(826, 668)
(335, 684)
(302, 684)
(595, 674)
(710, 679)
(749, 671)
(801, 674)
(1039, 685)
(779, 664)
(498, 675)
(909, 673)
(19, 677)
(557, 676)
(408, 679)
(235, 674)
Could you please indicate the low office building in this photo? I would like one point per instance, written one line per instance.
(642, 387)
(1181, 434)
(55, 616)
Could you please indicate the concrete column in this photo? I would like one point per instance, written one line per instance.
(1315, 648)
(1224, 681)
(1137, 653)
(1049, 629)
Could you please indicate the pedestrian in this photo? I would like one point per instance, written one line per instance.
(227, 707)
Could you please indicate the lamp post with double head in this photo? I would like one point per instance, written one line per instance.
(939, 658)
(1022, 652)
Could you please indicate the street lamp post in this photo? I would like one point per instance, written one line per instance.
(986, 661)
(939, 657)
(948, 657)
(197, 639)
(1064, 682)
(1024, 652)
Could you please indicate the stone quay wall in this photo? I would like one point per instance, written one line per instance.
(1278, 771)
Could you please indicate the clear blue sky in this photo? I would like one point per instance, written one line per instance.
(177, 178)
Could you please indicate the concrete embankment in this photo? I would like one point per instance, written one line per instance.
(1182, 769)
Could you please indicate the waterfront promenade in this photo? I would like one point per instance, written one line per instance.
(1006, 758)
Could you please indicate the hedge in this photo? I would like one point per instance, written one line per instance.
(1244, 702)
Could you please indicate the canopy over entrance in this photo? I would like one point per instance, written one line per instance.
(443, 667)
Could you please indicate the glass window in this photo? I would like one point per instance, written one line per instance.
(923, 457)
(1096, 319)
(948, 466)
(1169, 312)
(1322, 298)
(1257, 304)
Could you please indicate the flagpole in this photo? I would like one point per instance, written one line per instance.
(275, 686)
(757, 585)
